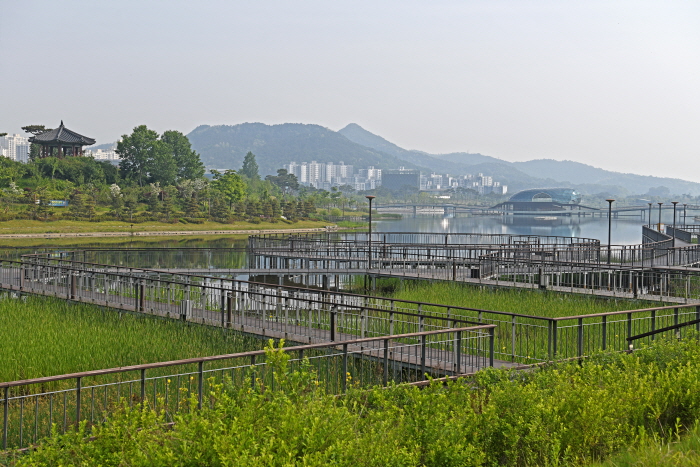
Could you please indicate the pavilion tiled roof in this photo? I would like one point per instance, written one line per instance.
(62, 135)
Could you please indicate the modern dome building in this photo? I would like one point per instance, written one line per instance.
(542, 199)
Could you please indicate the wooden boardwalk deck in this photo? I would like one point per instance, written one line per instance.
(437, 361)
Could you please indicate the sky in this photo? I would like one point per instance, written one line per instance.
(614, 84)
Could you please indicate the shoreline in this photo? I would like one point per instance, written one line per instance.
(168, 233)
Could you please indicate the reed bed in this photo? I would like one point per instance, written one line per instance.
(527, 302)
(45, 336)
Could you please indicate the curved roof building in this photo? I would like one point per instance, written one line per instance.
(547, 195)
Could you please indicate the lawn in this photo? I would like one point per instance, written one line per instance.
(65, 226)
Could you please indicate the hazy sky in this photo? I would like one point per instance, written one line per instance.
(612, 84)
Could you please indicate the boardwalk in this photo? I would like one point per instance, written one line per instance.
(268, 320)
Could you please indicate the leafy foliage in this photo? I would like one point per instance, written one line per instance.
(567, 414)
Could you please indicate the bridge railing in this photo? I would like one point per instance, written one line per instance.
(31, 407)
(306, 313)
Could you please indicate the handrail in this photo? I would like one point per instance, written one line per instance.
(213, 358)
(667, 328)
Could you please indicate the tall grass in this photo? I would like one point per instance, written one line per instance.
(528, 302)
(45, 336)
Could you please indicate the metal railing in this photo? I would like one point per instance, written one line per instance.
(295, 313)
(31, 407)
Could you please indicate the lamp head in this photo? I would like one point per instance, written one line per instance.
(609, 200)
(370, 197)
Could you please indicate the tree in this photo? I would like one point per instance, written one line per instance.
(250, 167)
(230, 184)
(284, 180)
(36, 129)
(137, 152)
(189, 165)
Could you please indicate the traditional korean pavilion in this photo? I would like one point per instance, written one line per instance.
(61, 142)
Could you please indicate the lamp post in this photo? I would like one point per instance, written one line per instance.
(610, 202)
(659, 226)
(685, 219)
(649, 215)
(674, 222)
(369, 233)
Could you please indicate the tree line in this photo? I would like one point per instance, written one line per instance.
(159, 177)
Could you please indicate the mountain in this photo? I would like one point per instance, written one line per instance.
(359, 135)
(585, 174)
(225, 146)
(530, 174)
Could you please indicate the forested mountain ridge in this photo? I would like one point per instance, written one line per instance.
(533, 173)
(225, 146)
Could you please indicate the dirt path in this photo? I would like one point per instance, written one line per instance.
(167, 233)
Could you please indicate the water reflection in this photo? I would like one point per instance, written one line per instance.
(625, 231)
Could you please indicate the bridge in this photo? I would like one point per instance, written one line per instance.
(374, 339)
(578, 210)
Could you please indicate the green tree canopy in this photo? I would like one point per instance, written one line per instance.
(250, 167)
(36, 129)
(137, 152)
(145, 158)
(230, 184)
(284, 180)
(189, 166)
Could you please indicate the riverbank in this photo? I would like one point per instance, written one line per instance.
(77, 229)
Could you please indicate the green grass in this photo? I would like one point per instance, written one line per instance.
(681, 451)
(528, 302)
(65, 226)
(45, 337)
(568, 414)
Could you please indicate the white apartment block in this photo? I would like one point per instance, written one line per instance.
(15, 147)
(105, 155)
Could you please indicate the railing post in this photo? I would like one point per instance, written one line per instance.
(200, 384)
(492, 338)
(6, 409)
(423, 339)
(142, 296)
(555, 325)
(229, 308)
(345, 367)
(73, 285)
(697, 316)
(458, 353)
(653, 323)
(333, 313)
(386, 362)
(78, 388)
(143, 386)
(252, 372)
(580, 337)
(605, 332)
(629, 325)
(512, 337)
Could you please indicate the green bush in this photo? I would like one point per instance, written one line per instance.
(567, 414)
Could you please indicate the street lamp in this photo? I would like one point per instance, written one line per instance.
(610, 202)
(674, 222)
(369, 232)
(659, 226)
(685, 219)
(649, 215)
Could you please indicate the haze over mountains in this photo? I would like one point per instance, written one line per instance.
(224, 146)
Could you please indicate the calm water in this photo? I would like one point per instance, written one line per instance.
(625, 231)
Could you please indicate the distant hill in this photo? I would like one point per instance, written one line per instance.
(579, 173)
(530, 174)
(225, 146)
